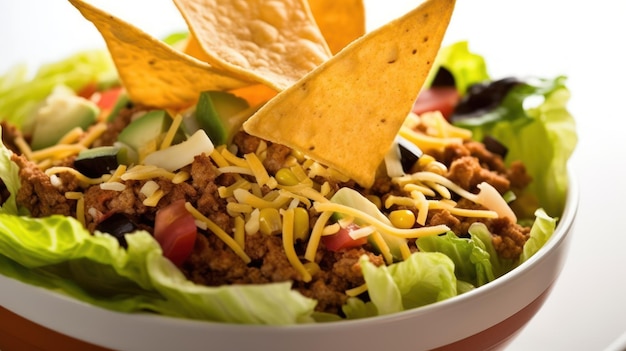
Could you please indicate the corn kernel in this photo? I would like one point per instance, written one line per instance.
(403, 219)
(301, 224)
(285, 176)
(270, 222)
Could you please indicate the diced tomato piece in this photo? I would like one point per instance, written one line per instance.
(442, 99)
(108, 98)
(175, 230)
(105, 99)
(343, 240)
(88, 90)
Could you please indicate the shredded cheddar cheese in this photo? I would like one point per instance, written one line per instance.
(384, 227)
(227, 191)
(239, 232)
(92, 134)
(24, 147)
(382, 247)
(114, 186)
(80, 204)
(427, 142)
(219, 160)
(141, 172)
(356, 291)
(81, 178)
(72, 136)
(219, 232)
(171, 132)
(117, 175)
(234, 160)
(290, 251)
(57, 152)
(316, 235)
(153, 200)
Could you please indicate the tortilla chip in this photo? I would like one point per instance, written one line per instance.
(194, 49)
(347, 112)
(341, 22)
(153, 73)
(271, 42)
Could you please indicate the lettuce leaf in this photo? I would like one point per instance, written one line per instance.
(20, 94)
(466, 67)
(471, 260)
(540, 232)
(57, 253)
(422, 279)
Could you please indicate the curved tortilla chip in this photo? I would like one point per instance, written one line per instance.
(346, 113)
(269, 41)
(153, 73)
(341, 22)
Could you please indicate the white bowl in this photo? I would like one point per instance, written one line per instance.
(486, 318)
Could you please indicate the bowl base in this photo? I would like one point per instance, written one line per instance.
(16, 334)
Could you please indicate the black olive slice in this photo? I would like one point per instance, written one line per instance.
(409, 153)
(117, 225)
(495, 146)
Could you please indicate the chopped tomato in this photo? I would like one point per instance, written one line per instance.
(175, 230)
(105, 99)
(88, 90)
(108, 98)
(343, 240)
(442, 99)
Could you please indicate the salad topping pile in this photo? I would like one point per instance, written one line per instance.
(229, 194)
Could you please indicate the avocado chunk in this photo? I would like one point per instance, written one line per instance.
(98, 161)
(352, 198)
(122, 101)
(62, 111)
(221, 114)
(145, 133)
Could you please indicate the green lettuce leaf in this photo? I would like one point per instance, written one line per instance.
(422, 279)
(471, 260)
(57, 253)
(466, 67)
(480, 234)
(540, 232)
(10, 177)
(21, 94)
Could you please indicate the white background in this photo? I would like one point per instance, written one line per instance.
(581, 39)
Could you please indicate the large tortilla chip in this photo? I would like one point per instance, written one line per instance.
(347, 112)
(271, 42)
(153, 73)
(341, 21)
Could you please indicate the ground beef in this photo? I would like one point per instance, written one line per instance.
(469, 164)
(276, 154)
(246, 143)
(275, 159)
(467, 172)
(518, 176)
(37, 193)
(9, 133)
(213, 263)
